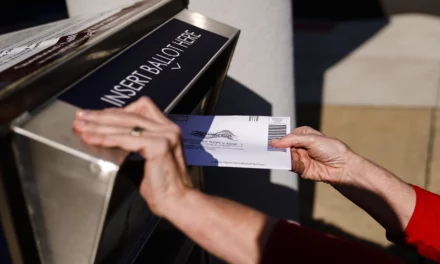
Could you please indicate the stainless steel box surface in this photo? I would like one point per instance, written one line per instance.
(66, 185)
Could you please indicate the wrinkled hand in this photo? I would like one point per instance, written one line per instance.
(318, 157)
(166, 178)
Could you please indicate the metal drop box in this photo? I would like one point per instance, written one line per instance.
(64, 202)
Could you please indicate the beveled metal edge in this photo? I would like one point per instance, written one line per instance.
(209, 25)
(26, 100)
(32, 92)
(62, 147)
(6, 90)
(185, 16)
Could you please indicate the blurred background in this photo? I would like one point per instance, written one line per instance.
(365, 71)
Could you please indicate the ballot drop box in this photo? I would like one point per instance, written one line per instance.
(62, 201)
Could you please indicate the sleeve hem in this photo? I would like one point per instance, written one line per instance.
(401, 238)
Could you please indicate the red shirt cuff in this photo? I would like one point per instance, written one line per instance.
(423, 231)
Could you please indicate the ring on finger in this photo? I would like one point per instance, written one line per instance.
(137, 131)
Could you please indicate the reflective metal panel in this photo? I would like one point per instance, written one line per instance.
(68, 185)
(67, 197)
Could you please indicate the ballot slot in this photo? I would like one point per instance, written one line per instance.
(161, 65)
(83, 202)
(24, 90)
(203, 93)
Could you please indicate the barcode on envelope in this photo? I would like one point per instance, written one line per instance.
(275, 132)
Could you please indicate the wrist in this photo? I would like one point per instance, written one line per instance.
(363, 174)
(175, 202)
(354, 170)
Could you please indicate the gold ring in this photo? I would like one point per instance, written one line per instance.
(137, 132)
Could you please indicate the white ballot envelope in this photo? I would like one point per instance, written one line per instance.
(234, 141)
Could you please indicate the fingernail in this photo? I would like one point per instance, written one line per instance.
(275, 140)
(79, 123)
(85, 136)
(81, 113)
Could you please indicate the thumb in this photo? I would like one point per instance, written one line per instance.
(298, 165)
(296, 141)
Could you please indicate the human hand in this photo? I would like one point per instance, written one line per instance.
(318, 157)
(166, 179)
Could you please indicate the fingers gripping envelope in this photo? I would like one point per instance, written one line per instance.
(234, 141)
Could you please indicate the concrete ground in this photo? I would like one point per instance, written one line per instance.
(375, 84)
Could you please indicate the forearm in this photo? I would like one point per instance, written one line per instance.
(230, 231)
(389, 200)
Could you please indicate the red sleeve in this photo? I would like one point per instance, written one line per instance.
(291, 243)
(423, 231)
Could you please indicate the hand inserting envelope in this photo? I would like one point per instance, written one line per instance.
(234, 141)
